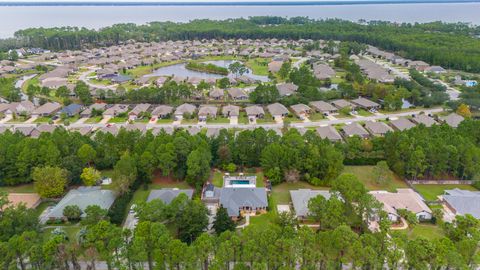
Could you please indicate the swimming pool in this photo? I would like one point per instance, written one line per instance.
(239, 182)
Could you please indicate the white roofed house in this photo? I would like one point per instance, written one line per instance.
(137, 111)
(207, 111)
(301, 110)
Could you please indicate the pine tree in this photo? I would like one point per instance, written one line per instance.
(223, 222)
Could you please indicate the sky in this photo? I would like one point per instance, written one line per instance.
(171, 0)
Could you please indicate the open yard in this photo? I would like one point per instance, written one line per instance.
(259, 66)
(366, 176)
(26, 188)
(431, 192)
(428, 231)
(218, 120)
(94, 120)
(281, 192)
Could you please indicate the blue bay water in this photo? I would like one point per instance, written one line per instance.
(13, 18)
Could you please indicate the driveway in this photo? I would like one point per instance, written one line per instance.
(212, 212)
(105, 119)
(6, 119)
(31, 120)
(233, 120)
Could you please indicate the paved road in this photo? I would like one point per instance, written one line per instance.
(83, 78)
(324, 122)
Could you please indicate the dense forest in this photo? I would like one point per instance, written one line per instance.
(449, 45)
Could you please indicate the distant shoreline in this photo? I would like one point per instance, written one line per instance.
(238, 3)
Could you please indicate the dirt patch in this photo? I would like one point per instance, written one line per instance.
(160, 179)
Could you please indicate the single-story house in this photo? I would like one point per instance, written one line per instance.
(324, 107)
(116, 110)
(254, 112)
(277, 110)
(301, 110)
(452, 119)
(402, 124)
(275, 66)
(329, 132)
(239, 201)
(138, 110)
(100, 107)
(342, 103)
(82, 197)
(183, 109)
(377, 128)
(237, 94)
(206, 111)
(47, 109)
(462, 202)
(353, 129)
(216, 94)
(230, 110)
(71, 110)
(404, 198)
(424, 119)
(366, 104)
(286, 89)
(162, 111)
(301, 198)
(167, 195)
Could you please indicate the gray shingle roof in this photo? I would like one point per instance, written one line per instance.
(329, 132)
(231, 110)
(377, 128)
(322, 106)
(402, 124)
(301, 197)
(424, 119)
(83, 197)
(167, 194)
(254, 110)
(463, 201)
(355, 129)
(453, 119)
(235, 198)
(277, 109)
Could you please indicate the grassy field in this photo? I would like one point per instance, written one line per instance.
(118, 120)
(164, 121)
(316, 117)
(259, 66)
(364, 113)
(366, 176)
(218, 120)
(266, 119)
(428, 231)
(42, 120)
(242, 118)
(431, 192)
(144, 70)
(281, 192)
(26, 188)
(94, 120)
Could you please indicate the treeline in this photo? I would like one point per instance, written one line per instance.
(342, 240)
(209, 68)
(456, 46)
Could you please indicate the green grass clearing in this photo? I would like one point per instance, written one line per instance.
(366, 176)
(431, 192)
(429, 231)
(94, 120)
(218, 120)
(26, 188)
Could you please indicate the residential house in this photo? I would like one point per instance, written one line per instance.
(301, 198)
(436, 69)
(275, 66)
(324, 107)
(286, 89)
(25, 131)
(167, 195)
(366, 104)
(330, 133)
(323, 71)
(47, 109)
(162, 111)
(216, 94)
(342, 103)
(452, 120)
(404, 198)
(17, 108)
(354, 129)
(462, 202)
(277, 110)
(254, 112)
(237, 94)
(402, 124)
(82, 197)
(424, 119)
(207, 111)
(99, 107)
(138, 111)
(184, 109)
(301, 110)
(116, 110)
(71, 110)
(377, 128)
(230, 111)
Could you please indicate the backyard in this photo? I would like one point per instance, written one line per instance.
(366, 175)
(431, 192)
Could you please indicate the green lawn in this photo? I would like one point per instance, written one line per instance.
(70, 230)
(189, 121)
(218, 120)
(94, 120)
(41, 207)
(281, 192)
(42, 120)
(242, 118)
(365, 175)
(164, 121)
(259, 66)
(364, 113)
(431, 192)
(264, 220)
(144, 70)
(428, 231)
(316, 117)
(118, 120)
(26, 188)
(266, 119)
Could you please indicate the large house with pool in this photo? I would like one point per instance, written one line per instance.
(239, 195)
